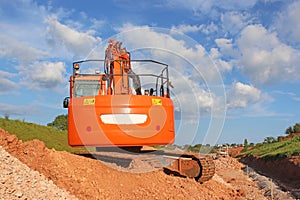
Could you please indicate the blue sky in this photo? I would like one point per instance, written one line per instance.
(234, 64)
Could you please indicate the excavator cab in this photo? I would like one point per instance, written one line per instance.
(119, 108)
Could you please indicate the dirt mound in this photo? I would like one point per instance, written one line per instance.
(90, 179)
(228, 163)
(235, 151)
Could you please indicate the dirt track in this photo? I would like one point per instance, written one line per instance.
(90, 179)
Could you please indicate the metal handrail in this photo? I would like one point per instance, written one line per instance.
(163, 76)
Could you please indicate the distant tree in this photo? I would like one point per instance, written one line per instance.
(280, 138)
(289, 130)
(245, 144)
(225, 145)
(197, 146)
(186, 147)
(297, 128)
(60, 122)
(6, 116)
(269, 140)
(294, 129)
(233, 145)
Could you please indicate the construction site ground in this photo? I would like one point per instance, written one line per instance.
(50, 174)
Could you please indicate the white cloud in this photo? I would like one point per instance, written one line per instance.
(78, 43)
(265, 59)
(97, 24)
(226, 47)
(5, 74)
(286, 94)
(192, 97)
(207, 7)
(19, 16)
(18, 50)
(241, 95)
(288, 23)
(43, 75)
(222, 65)
(209, 29)
(6, 85)
(233, 22)
(18, 109)
(185, 28)
(258, 110)
(296, 98)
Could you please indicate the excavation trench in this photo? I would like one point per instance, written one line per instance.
(283, 175)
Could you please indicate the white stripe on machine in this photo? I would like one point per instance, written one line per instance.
(123, 118)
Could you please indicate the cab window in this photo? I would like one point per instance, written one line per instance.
(86, 88)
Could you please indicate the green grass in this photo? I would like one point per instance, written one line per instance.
(281, 149)
(25, 131)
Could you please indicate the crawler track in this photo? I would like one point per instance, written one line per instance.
(208, 169)
(196, 166)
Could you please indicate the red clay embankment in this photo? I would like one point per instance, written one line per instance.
(286, 171)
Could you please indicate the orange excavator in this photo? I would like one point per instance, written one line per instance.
(113, 110)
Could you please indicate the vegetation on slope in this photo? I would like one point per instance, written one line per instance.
(278, 149)
(52, 137)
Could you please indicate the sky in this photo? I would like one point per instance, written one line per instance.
(234, 64)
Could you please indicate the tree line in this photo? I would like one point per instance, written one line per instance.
(293, 129)
(60, 122)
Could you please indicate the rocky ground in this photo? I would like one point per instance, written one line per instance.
(60, 175)
(18, 181)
